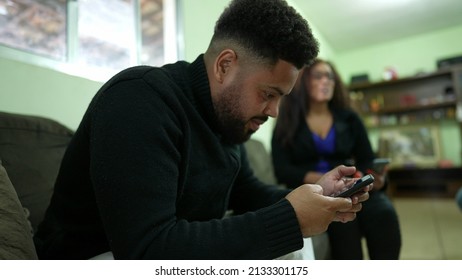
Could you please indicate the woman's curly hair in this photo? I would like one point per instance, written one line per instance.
(268, 29)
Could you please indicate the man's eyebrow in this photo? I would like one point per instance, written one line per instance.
(278, 90)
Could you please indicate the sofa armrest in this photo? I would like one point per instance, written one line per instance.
(31, 149)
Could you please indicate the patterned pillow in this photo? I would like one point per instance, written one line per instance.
(15, 230)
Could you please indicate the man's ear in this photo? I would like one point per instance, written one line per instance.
(223, 64)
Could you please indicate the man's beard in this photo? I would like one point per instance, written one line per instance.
(231, 122)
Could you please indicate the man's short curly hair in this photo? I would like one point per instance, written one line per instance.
(269, 29)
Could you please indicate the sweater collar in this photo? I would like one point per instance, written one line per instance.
(201, 91)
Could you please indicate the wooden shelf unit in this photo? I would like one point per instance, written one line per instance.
(419, 102)
(412, 100)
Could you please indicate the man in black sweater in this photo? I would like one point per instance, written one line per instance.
(157, 159)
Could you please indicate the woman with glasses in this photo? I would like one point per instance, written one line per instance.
(316, 131)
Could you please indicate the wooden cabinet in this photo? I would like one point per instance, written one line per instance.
(435, 182)
(415, 100)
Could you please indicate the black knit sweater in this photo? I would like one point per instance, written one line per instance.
(147, 177)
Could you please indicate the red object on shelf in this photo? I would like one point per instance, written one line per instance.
(407, 100)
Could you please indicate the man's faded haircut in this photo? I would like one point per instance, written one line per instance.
(266, 29)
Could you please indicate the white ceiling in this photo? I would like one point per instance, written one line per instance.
(350, 24)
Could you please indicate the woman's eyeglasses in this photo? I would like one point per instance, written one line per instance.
(320, 75)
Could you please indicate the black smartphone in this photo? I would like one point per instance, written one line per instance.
(357, 186)
(378, 165)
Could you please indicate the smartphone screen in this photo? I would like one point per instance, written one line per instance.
(379, 164)
(356, 187)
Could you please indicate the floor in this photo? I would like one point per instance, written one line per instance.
(431, 228)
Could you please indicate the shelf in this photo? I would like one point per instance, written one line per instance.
(414, 108)
(413, 79)
(412, 100)
(405, 116)
(412, 115)
(409, 124)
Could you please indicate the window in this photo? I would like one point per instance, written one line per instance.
(106, 33)
(152, 35)
(89, 38)
(38, 27)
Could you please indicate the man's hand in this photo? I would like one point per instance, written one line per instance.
(316, 209)
(334, 181)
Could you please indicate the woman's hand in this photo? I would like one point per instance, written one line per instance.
(379, 181)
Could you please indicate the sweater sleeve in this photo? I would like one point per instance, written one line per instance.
(136, 163)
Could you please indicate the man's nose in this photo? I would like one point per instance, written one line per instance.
(272, 109)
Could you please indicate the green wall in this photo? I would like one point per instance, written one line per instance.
(409, 56)
(40, 91)
(35, 90)
(199, 24)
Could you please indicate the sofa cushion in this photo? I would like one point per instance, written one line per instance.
(260, 161)
(31, 149)
(15, 231)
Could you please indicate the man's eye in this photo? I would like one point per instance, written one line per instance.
(269, 95)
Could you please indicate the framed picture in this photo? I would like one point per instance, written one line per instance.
(416, 146)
